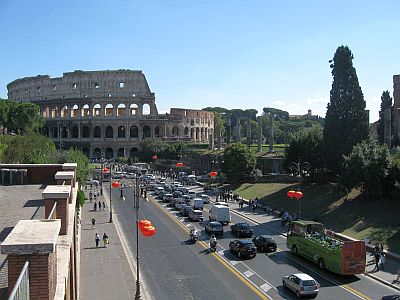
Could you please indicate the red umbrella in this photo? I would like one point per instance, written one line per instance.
(179, 164)
(154, 157)
(115, 184)
(213, 173)
(149, 231)
(143, 223)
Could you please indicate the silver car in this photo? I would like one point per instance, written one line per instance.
(301, 284)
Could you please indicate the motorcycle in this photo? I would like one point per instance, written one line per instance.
(194, 237)
(213, 246)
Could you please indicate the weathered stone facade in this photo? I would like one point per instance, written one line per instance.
(396, 109)
(107, 113)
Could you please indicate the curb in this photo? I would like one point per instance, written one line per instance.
(382, 281)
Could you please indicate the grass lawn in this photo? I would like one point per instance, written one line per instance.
(353, 215)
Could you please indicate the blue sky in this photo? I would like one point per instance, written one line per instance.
(233, 54)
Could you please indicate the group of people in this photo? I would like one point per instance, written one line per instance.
(105, 240)
(100, 205)
(286, 218)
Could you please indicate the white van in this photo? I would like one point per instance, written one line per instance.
(197, 203)
(220, 213)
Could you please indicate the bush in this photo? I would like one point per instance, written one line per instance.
(80, 199)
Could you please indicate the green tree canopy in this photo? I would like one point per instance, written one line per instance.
(239, 162)
(74, 155)
(346, 122)
(386, 102)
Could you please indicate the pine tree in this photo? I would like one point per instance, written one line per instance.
(346, 121)
(386, 102)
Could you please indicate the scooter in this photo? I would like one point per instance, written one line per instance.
(194, 237)
(213, 246)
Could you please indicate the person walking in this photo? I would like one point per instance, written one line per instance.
(105, 240)
(377, 256)
(99, 205)
(95, 206)
(104, 205)
(97, 240)
(90, 196)
(382, 260)
(93, 223)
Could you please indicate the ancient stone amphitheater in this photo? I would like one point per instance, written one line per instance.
(107, 113)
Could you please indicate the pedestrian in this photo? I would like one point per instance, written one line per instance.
(105, 240)
(104, 205)
(254, 207)
(377, 256)
(382, 260)
(90, 196)
(97, 240)
(93, 223)
(99, 205)
(95, 206)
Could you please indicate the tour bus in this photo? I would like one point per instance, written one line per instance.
(101, 177)
(309, 239)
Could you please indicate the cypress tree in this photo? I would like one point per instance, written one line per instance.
(386, 102)
(346, 121)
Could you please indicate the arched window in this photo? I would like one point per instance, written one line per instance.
(96, 110)
(85, 132)
(109, 132)
(121, 109)
(146, 109)
(97, 132)
(157, 131)
(133, 132)
(197, 133)
(85, 110)
(186, 131)
(175, 131)
(192, 133)
(75, 111)
(146, 131)
(75, 132)
(121, 152)
(109, 153)
(121, 132)
(64, 112)
(133, 152)
(108, 111)
(133, 109)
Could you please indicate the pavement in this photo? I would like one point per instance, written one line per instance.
(389, 276)
(105, 271)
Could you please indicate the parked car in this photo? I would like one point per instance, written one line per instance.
(242, 229)
(206, 198)
(184, 210)
(186, 198)
(161, 194)
(214, 227)
(243, 248)
(167, 197)
(301, 284)
(195, 215)
(177, 194)
(265, 243)
(391, 297)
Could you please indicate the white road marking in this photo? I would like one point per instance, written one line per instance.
(265, 287)
(233, 262)
(221, 252)
(248, 273)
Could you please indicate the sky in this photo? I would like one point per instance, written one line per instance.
(234, 54)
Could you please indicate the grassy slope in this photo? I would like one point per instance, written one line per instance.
(353, 216)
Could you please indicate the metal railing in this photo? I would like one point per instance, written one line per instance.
(21, 288)
(53, 212)
(3, 276)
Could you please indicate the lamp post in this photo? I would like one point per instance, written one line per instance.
(111, 216)
(299, 169)
(136, 197)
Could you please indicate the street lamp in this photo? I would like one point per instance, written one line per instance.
(300, 169)
(136, 206)
(216, 161)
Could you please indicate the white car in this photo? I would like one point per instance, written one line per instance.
(301, 284)
(206, 198)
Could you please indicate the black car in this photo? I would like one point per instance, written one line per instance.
(265, 243)
(243, 248)
(242, 229)
(392, 297)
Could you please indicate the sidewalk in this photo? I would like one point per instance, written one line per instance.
(105, 272)
(387, 276)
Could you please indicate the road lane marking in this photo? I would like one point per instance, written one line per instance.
(232, 269)
(265, 287)
(221, 252)
(248, 273)
(233, 262)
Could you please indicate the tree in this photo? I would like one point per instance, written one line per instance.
(346, 122)
(305, 146)
(27, 117)
(74, 155)
(239, 162)
(386, 102)
(367, 167)
(4, 111)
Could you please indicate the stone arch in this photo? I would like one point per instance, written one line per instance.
(86, 151)
(157, 131)
(54, 112)
(97, 152)
(64, 111)
(192, 133)
(75, 132)
(54, 132)
(97, 110)
(146, 109)
(109, 132)
(146, 131)
(64, 132)
(202, 133)
(121, 132)
(121, 109)
(85, 132)
(75, 111)
(121, 152)
(85, 111)
(133, 109)
(109, 109)
(97, 132)
(175, 131)
(133, 132)
(186, 131)
(197, 133)
(133, 152)
(46, 112)
(109, 153)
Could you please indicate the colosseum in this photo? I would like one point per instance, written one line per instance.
(107, 113)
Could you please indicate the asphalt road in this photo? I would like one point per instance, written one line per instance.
(175, 269)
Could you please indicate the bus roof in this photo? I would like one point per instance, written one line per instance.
(304, 222)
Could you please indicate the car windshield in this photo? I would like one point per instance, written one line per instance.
(308, 282)
(246, 226)
(216, 225)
